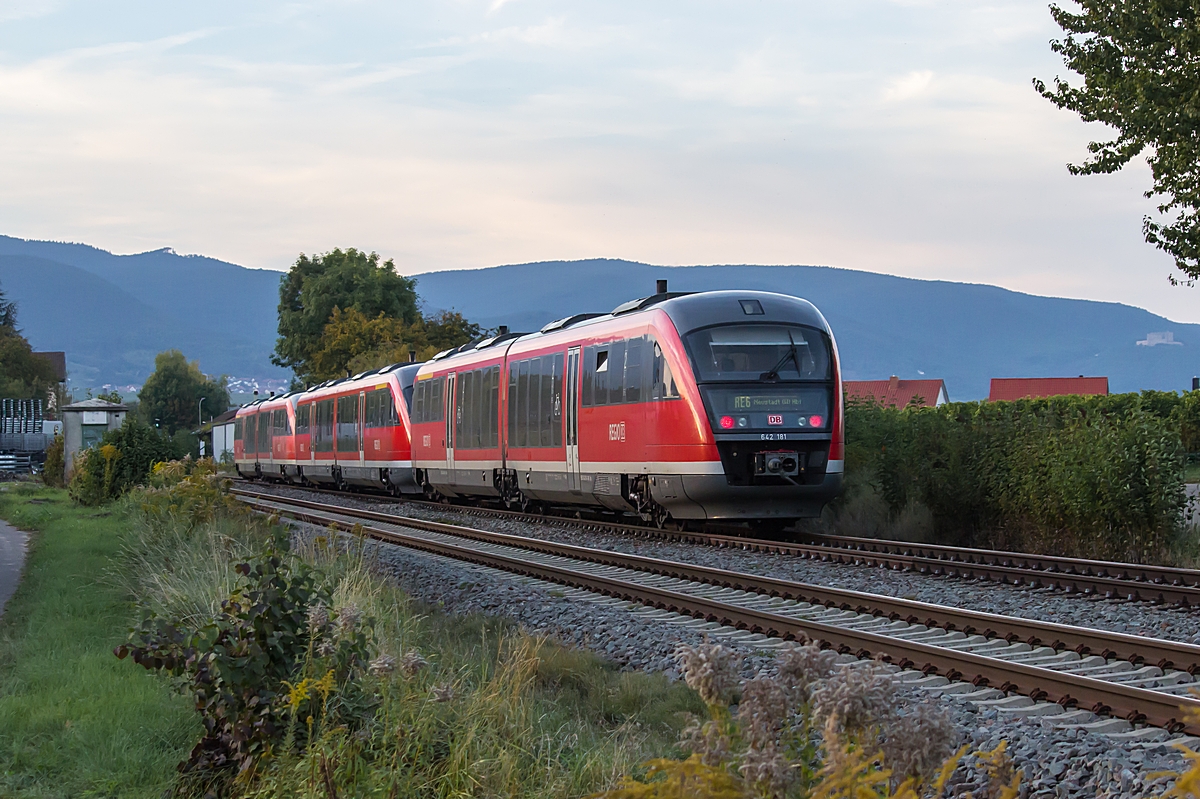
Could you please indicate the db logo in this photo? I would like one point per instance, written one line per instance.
(616, 432)
(774, 419)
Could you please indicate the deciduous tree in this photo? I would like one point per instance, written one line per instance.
(171, 395)
(348, 279)
(23, 375)
(1140, 63)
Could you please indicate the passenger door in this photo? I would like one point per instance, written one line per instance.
(452, 412)
(571, 418)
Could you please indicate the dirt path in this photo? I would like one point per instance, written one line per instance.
(12, 558)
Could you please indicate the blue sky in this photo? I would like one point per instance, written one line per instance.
(898, 137)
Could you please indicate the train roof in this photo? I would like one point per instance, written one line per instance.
(688, 311)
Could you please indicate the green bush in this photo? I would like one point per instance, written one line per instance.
(1088, 476)
(276, 627)
(122, 460)
(53, 469)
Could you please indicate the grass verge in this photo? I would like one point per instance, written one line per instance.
(75, 721)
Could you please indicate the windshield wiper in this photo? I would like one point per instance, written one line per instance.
(772, 376)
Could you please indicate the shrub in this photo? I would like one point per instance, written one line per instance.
(1092, 476)
(53, 469)
(269, 661)
(122, 460)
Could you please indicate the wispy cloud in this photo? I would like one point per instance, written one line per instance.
(893, 135)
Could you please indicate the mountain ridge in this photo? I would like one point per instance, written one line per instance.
(114, 312)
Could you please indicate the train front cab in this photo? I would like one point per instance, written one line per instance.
(765, 372)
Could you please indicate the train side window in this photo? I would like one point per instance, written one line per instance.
(421, 407)
(601, 382)
(546, 404)
(237, 429)
(264, 432)
(347, 424)
(493, 408)
(523, 404)
(371, 410)
(512, 404)
(391, 414)
(302, 420)
(436, 404)
(634, 371)
(477, 415)
(557, 399)
(589, 376)
(663, 381)
(533, 413)
(616, 373)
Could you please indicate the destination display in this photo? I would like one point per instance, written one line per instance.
(768, 408)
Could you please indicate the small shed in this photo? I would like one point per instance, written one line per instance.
(222, 434)
(85, 423)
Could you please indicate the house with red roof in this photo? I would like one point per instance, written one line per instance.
(897, 393)
(1015, 388)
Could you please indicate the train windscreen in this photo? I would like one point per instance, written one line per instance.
(760, 353)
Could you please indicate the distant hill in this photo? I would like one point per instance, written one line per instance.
(112, 313)
(884, 325)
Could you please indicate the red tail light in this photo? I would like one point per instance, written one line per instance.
(727, 422)
(816, 421)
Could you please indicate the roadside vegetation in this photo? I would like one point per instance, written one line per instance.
(1095, 477)
(74, 721)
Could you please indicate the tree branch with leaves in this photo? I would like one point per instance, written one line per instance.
(1140, 63)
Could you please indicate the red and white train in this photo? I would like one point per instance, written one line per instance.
(721, 405)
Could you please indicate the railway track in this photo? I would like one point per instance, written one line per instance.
(1073, 676)
(1133, 582)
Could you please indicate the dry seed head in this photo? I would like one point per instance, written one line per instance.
(707, 740)
(382, 665)
(347, 619)
(916, 743)
(318, 617)
(857, 696)
(710, 670)
(412, 663)
(768, 770)
(763, 710)
(802, 666)
(443, 693)
(326, 648)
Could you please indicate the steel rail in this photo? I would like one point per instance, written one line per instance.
(1055, 564)
(1069, 690)
(1084, 641)
(1157, 584)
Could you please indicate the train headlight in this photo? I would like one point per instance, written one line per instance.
(743, 421)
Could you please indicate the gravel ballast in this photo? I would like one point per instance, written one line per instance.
(1056, 762)
(1133, 618)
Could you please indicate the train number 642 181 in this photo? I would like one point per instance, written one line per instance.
(774, 436)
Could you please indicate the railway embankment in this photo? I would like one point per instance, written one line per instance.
(1057, 756)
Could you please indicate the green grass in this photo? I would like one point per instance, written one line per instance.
(74, 720)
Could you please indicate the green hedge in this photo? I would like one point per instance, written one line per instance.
(1090, 476)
